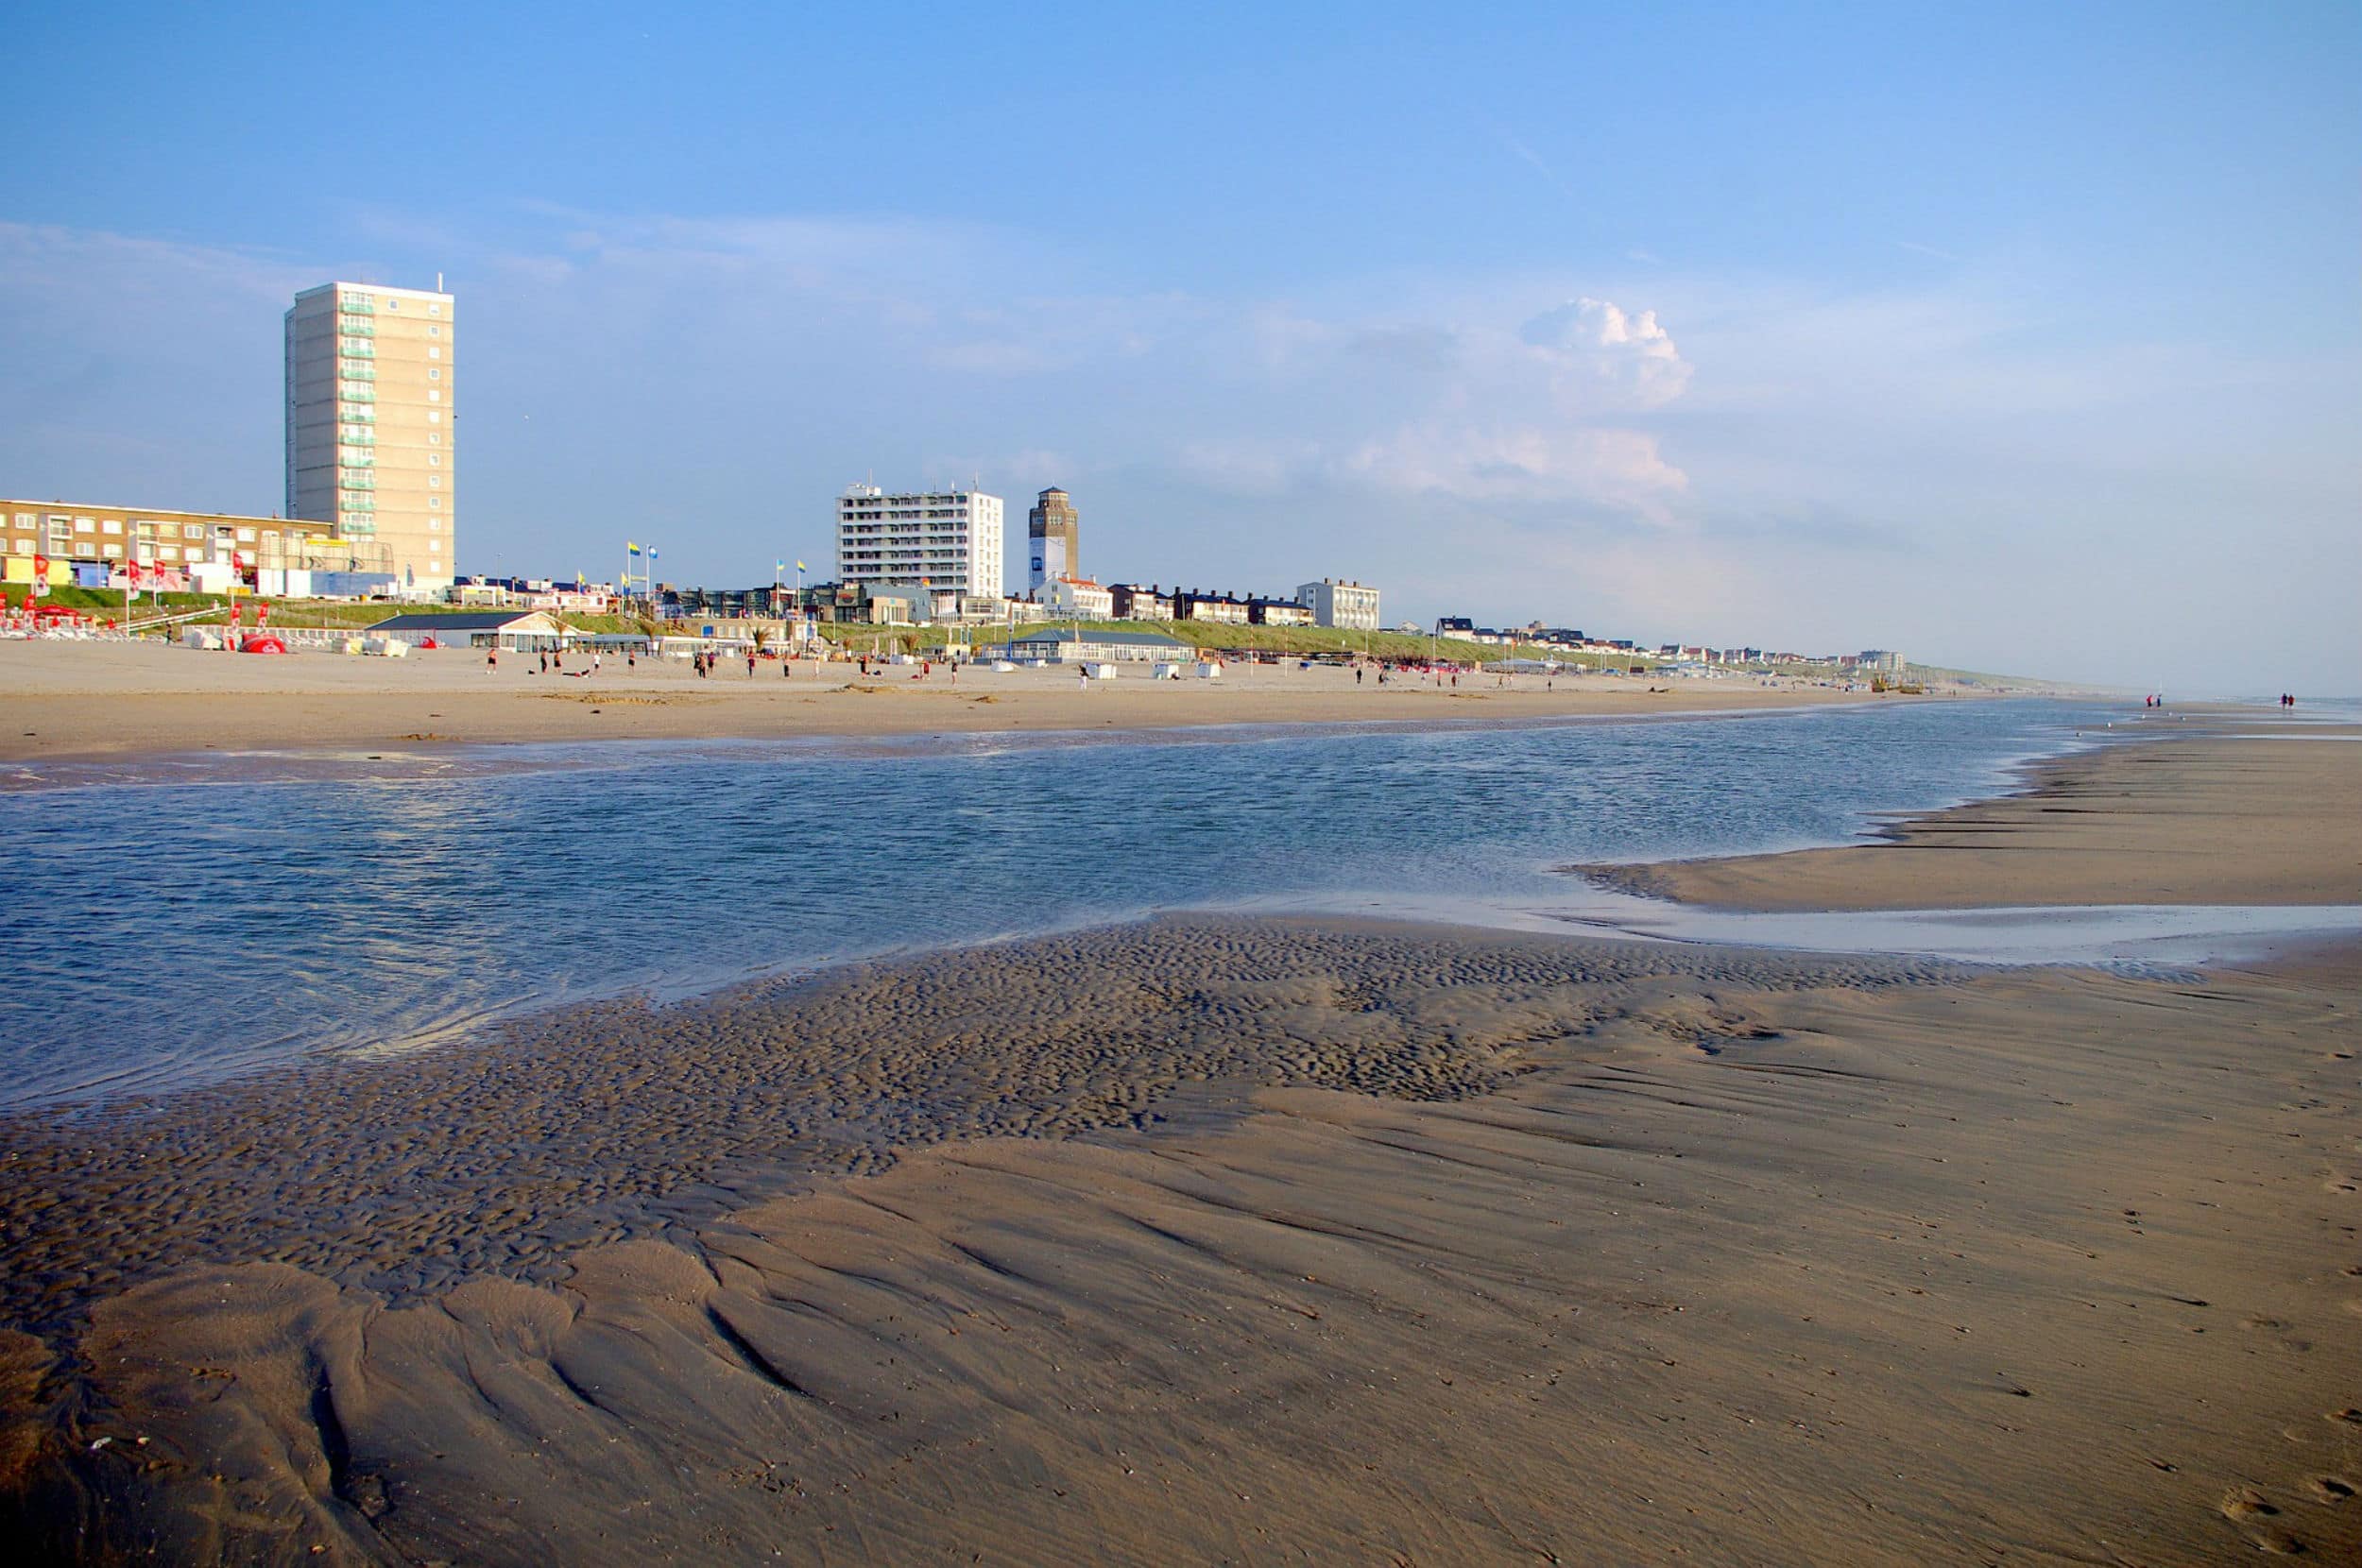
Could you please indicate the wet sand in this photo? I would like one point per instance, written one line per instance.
(69, 700)
(1216, 1240)
(2218, 806)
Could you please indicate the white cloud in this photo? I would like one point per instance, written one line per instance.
(1596, 347)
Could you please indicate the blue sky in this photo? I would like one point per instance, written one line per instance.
(2018, 337)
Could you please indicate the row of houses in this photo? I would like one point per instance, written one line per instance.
(1870, 660)
(1078, 598)
(1880, 660)
(1534, 635)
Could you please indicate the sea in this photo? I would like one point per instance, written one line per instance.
(177, 921)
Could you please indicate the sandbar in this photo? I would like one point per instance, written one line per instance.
(2221, 808)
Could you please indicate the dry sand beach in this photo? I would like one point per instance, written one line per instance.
(73, 700)
(1214, 1240)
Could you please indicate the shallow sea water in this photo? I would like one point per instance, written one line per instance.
(180, 922)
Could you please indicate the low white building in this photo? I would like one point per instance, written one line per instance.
(1341, 603)
(1060, 645)
(516, 631)
(1078, 597)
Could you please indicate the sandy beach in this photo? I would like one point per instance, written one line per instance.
(1204, 1240)
(70, 700)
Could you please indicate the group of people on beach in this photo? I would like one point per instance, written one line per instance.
(2286, 700)
(553, 661)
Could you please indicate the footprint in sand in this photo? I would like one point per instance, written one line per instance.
(2246, 1503)
(2329, 1490)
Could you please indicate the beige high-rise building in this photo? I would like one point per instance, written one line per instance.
(372, 446)
(1054, 532)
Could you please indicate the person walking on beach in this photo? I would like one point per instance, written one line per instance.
(1357, 674)
(751, 664)
(492, 661)
(546, 661)
(594, 664)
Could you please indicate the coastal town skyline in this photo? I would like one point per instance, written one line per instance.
(1612, 362)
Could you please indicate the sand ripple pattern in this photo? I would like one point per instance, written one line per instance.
(619, 1120)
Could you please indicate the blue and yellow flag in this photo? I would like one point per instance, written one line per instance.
(633, 548)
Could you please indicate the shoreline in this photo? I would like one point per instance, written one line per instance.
(2170, 812)
(78, 702)
(1202, 1238)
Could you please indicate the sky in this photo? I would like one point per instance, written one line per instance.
(2021, 338)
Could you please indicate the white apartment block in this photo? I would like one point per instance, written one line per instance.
(372, 447)
(1336, 604)
(1078, 597)
(950, 539)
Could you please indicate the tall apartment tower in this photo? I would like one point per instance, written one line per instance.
(1053, 533)
(372, 445)
(950, 539)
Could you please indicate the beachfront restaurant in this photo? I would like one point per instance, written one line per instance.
(1066, 646)
(510, 631)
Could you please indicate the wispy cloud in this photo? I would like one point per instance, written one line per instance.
(1523, 151)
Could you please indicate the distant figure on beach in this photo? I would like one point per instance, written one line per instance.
(594, 664)
(492, 661)
(1357, 674)
(1082, 672)
(787, 666)
(545, 662)
(751, 666)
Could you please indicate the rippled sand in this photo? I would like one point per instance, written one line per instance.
(1226, 1240)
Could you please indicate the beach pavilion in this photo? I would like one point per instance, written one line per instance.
(1066, 646)
(510, 631)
